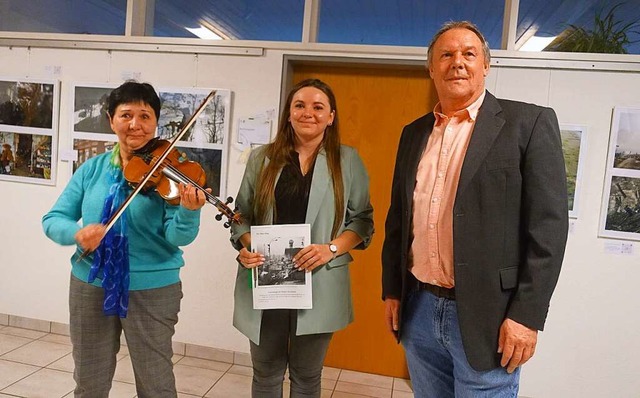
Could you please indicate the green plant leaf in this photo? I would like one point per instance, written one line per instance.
(607, 36)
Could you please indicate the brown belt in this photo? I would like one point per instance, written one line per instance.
(438, 291)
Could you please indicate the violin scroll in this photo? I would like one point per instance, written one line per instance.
(236, 215)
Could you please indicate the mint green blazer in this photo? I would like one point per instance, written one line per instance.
(332, 306)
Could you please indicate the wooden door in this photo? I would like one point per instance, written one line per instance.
(374, 104)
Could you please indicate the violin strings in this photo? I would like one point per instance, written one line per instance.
(210, 197)
(190, 181)
(186, 178)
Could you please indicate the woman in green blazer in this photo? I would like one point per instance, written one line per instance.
(304, 177)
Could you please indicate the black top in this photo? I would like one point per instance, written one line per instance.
(292, 193)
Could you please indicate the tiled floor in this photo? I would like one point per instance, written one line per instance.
(37, 364)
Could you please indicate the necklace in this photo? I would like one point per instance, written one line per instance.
(306, 160)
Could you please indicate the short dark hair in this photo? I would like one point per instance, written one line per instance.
(130, 92)
(460, 25)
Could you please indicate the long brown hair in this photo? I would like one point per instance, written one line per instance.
(279, 153)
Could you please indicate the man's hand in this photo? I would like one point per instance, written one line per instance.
(516, 343)
(391, 309)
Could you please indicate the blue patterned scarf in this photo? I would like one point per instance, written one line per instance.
(111, 258)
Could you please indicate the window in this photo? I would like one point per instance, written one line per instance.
(279, 20)
(104, 17)
(543, 21)
(404, 22)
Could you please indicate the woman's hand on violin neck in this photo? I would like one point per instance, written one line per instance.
(191, 197)
(89, 237)
(250, 260)
(312, 257)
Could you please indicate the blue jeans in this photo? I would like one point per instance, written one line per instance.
(437, 363)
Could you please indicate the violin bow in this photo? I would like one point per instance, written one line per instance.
(154, 168)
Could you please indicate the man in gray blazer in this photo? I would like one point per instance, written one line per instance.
(476, 229)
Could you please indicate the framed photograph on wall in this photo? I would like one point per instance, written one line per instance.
(573, 147)
(620, 210)
(90, 109)
(29, 111)
(86, 149)
(91, 134)
(206, 142)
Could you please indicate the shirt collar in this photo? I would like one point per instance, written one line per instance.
(470, 112)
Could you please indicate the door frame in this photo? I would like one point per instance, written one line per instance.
(293, 63)
(289, 61)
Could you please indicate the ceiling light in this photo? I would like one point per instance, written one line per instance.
(204, 33)
(536, 43)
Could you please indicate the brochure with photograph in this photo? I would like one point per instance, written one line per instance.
(277, 283)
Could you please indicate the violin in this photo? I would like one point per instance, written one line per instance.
(175, 169)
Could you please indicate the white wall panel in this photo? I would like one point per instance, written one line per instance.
(159, 69)
(77, 65)
(588, 348)
(532, 86)
(207, 308)
(15, 61)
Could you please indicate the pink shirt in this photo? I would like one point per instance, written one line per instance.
(431, 254)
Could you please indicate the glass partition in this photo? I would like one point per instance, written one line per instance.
(102, 17)
(543, 25)
(591, 26)
(279, 20)
(404, 22)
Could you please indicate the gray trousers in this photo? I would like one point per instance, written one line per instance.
(279, 347)
(148, 328)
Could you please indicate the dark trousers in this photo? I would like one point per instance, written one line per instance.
(280, 347)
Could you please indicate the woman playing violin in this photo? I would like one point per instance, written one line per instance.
(131, 282)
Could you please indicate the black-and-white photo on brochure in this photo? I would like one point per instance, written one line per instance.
(277, 283)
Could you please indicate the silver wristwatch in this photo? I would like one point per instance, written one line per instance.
(334, 250)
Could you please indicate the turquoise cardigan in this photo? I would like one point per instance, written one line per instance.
(332, 307)
(156, 229)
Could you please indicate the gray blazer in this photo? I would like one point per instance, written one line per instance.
(509, 226)
(332, 308)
